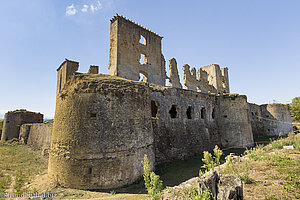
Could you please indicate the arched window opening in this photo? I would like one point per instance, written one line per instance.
(143, 40)
(189, 112)
(202, 113)
(154, 109)
(173, 111)
(143, 59)
(142, 77)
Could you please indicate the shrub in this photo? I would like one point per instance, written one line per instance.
(153, 183)
(193, 194)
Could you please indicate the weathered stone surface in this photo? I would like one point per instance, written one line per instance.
(102, 129)
(234, 121)
(270, 119)
(209, 182)
(37, 136)
(174, 77)
(14, 119)
(230, 187)
(227, 187)
(126, 52)
(93, 69)
(104, 125)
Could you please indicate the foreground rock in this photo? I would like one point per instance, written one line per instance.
(227, 187)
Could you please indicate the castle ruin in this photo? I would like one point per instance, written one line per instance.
(104, 124)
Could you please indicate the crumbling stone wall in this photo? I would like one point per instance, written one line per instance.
(126, 51)
(37, 136)
(217, 77)
(256, 120)
(184, 124)
(102, 129)
(64, 72)
(276, 119)
(234, 121)
(270, 119)
(14, 119)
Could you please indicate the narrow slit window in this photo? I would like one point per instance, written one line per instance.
(154, 109)
(189, 112)
(213, 113)
(202, 113)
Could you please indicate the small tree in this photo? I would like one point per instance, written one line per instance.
(211, 161)
(153, 183)
(295, 109)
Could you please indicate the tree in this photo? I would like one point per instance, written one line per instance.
(295, 109)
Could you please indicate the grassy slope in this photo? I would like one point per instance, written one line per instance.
(270, 171)
(18, 165)
(1, 124)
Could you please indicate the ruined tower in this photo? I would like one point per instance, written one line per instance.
(135, 51)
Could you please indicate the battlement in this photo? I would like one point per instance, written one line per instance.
(120, 17)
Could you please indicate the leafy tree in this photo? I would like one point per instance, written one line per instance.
(295, 109)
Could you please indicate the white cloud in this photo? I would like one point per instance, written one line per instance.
(96, 7)
(85, 8)
(71, 10)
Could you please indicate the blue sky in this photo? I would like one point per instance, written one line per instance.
(258, 40)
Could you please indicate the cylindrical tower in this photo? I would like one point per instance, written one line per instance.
(102, 129)
(276, 118)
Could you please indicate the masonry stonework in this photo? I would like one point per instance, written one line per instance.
(105, 124)
(14, 119)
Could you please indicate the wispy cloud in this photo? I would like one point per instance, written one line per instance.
(93, 7)
(71, 10)
(96, 7)
(84, 8)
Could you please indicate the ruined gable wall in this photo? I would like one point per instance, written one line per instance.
(126, 50)
(180, 137)
(102, 129)
(37, 136)
(234, 121)
(14, 119)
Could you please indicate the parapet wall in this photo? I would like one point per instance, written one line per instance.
(37, 136)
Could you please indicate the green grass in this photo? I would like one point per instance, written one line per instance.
(274, 164)
(1, 124)
(19, 164)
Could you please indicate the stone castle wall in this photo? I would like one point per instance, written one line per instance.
(126, 51)
(102, 129)
(234, 121)
(14, 119)
(104, 125)
(37, 136)
(270, 119)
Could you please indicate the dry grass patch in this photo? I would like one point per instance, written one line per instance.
(270, 172)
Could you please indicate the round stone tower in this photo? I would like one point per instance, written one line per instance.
(102, 130)
(276, 118)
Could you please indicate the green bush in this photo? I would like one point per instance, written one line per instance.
(193, 194)
(153, 183)
(211, 161)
